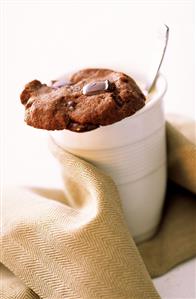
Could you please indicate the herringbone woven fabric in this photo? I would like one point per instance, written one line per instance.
(76, 244)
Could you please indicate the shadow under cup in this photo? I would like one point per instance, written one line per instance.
(133, 153)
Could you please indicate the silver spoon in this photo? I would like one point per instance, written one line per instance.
(164, 42)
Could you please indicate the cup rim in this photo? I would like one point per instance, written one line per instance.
(158, 95)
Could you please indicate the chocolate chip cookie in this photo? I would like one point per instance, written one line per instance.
(86, 100)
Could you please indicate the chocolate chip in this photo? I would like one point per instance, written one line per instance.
(59, 83)
(96, 87)
(76, 127)
(111, 86)
(90, 127)
(71, 105)
(117, 99)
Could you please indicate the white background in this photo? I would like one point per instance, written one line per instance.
(44, 39)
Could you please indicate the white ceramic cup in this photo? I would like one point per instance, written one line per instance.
(133, 153)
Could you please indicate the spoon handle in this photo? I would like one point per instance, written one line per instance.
(166, 38)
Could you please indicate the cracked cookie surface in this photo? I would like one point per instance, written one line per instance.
(86, 100)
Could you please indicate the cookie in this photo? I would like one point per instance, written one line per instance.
(86, 100)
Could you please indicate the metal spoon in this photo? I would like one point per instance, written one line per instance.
(164, 40)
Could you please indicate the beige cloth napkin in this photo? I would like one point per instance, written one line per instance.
(78, 246)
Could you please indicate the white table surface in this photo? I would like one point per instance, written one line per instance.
(43, 39)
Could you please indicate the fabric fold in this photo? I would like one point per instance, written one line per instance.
(82, 249)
